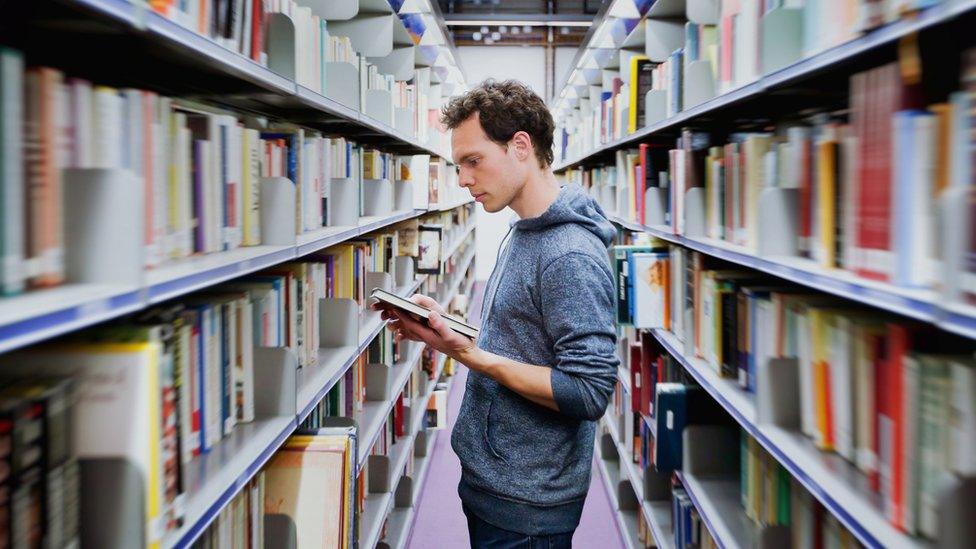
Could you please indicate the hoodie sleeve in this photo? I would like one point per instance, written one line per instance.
(577, 301)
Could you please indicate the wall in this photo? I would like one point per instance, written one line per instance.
(528, 65)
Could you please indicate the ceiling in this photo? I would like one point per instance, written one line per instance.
(518, 22)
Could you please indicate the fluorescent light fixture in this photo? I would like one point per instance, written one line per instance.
(534, 23)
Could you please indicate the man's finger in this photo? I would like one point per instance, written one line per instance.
(426, 301)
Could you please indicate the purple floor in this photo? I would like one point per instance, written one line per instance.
(439, 521)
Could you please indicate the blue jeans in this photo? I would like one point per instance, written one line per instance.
(488, 536)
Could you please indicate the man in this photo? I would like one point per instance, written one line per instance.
(545, 364)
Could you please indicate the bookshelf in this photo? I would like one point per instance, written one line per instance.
(196, 57)
(168, 59)
(768, 100)
(917, 303)
(39, 315)
(803, 69)
(657, 514)
(718, 503)
(608, 463)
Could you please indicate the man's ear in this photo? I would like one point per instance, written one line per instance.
(523, 145)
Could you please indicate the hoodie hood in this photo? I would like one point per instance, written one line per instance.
(572, 205)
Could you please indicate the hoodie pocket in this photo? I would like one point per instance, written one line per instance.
(489, 430)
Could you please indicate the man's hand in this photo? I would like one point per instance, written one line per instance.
(434, 332)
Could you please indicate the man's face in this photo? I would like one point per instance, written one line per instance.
(491, 173)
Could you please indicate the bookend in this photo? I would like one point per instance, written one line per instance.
(275, 382)
(609, 198)
(377, 197)
(702, 12)
(608, 449)
(278, 224)
(282, 45)
(699, 83)
(333, 10)
(404, 271)
(378, 378)
(384, 281)
(707, 451)
(777, 393)
(112, 513)
(338, 326)
(398, 63)
(379, 106)
(371, 34)
(626, 497)
(102, 231)
(655, 106)
(655, 206)
(781, 38)
(342, 85)
(280, 532)
(403, 120)
(403, 190)
(420, 446)
(403, 495)
(343, 202)
(957, 523)
(657, 486)
(380, 474)
(779, 221)
(695, 212)
(662, 37)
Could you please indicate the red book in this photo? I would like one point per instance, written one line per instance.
(877, 95)
(647, 358)
(257, 30)
(641, 180)
(891, 427)
(635, 377)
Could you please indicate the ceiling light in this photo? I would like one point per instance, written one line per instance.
(489, 41)
(516, 30)
(496, 36)
(563, 30)
(476, 36)
(484, 30)
(527, 29)
(503, 29)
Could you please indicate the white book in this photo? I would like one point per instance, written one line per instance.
(189, 443)
(910, 422)
(229, 367)
(183, 209)
(211, 376)
(808, 423)
(840, 352)
(963, 417)
(864, 389)
(11, 171)
(107, 143)
(647, 271)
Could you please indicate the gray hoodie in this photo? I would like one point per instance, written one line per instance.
(549, 302)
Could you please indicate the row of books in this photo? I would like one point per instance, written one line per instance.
(200, 169)
(886, 196)
(728, 49)
(769, 496)
(241, 524)
(893, 397)
(243, 26)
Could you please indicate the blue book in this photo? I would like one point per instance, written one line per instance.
(691, 42)
(675, 81)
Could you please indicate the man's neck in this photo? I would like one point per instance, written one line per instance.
(538, 193)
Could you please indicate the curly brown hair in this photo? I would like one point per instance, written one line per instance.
(505, 108)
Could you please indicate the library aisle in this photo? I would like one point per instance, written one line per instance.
(440, 521)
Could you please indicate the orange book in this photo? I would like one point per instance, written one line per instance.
(43, 224)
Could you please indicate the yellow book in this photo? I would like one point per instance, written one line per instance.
(755, 149)
(819, 326)
(827, 189)
(344, 271)
(635, 90)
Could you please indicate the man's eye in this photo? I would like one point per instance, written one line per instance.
(473, 162)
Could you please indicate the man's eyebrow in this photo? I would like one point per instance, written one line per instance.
(467, 157)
